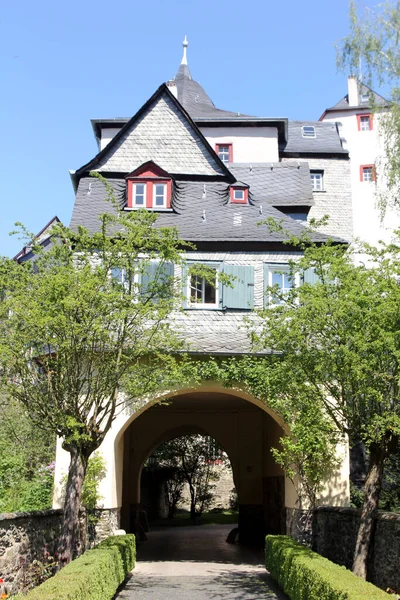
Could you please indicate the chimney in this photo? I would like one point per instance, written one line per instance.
(352, 86)
(171, 84)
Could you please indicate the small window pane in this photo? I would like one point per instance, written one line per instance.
(139, 194)
(308, 131)
(223, 153)
(317, 181)
(159, 194)
(368, 174)
(365, 123)
(238, 194)
(203, 291)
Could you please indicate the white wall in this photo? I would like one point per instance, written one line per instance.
(107, 135)
(249, 144)
(365, 148)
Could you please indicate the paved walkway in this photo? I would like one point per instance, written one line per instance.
(196, 563)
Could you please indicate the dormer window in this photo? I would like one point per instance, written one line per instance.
(239, 194)
(139, 195)
(159, 195)
(149, 187)
(308, 131)
(224, 152)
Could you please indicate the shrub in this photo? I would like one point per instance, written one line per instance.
(305, 575)
(95, 575)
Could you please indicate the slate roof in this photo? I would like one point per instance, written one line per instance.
(377, 100)
(279, 184)
(201, 212)
(43, 238)
(162, 129)
(215, 332)
(326, 140)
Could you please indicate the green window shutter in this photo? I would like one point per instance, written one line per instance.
(241, 295)
(160, 272)
(310, 276)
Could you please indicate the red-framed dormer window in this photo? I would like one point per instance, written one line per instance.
(149, 187)
(365, 122)
(239, 195)
(225, 152)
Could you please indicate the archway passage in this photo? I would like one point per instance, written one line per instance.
(244, 430)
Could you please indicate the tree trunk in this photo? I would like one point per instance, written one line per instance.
(372, 491)
(70, 525)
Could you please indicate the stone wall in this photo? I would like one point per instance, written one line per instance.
(25, 537)
(334, 536)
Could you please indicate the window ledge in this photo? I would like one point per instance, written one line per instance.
(129, 208)
(319, 191)
(203, 307)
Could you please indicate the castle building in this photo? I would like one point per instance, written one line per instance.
(215, 175)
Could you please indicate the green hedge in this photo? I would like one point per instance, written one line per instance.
(305, 575)
(95, 575)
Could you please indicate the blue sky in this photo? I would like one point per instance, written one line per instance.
(62, 63)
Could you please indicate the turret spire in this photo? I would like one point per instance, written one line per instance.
(185, 44)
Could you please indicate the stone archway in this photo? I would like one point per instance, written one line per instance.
(247, 432)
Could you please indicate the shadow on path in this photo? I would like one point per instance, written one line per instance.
(196, 563)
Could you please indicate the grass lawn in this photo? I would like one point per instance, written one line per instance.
(182, 519)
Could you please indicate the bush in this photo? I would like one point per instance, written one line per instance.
(305, 575)
(95, 575)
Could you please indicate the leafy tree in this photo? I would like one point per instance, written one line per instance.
(84, 331)
(190, 459)
(339, 341)
(26, 461)
(373, 45)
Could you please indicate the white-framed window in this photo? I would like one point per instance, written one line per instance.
(368, 174)
(159, 195)
(279, 277)
(203, 292)
(365, 123)
(317, 180)
(308, 131)
(238, 195)
(364, 97)
(119, 275)
(139, 194)
(224, 152)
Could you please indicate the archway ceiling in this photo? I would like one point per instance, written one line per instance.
(206, 401)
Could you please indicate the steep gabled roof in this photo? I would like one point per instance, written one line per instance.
(40, 238)
(372, 99)
(174, 141)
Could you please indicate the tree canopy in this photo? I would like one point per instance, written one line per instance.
(84, 331)
(339, 342)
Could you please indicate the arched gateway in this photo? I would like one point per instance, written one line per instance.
(245, 427)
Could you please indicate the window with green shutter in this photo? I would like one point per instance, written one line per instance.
(204, 293)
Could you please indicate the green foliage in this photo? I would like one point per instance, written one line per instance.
(96, 471)
(190, 459)
(26, 467)
(305, 575)
(95, 575)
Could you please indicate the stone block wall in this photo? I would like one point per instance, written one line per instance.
(334, 536)
(25, 537)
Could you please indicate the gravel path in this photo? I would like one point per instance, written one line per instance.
(196, 563)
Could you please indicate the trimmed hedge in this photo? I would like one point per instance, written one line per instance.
(305, 575)
(95, 575)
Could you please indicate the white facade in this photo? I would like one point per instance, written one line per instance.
(249, 144)
(365, 148)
